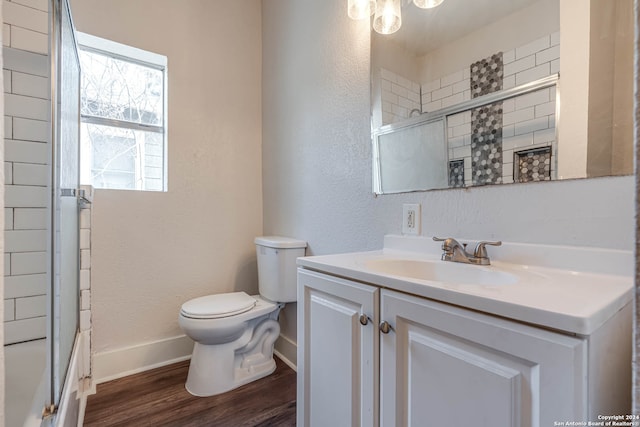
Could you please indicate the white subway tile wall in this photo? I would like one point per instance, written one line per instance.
(446, 91)
(85, 282)
(400, 97)
(42, 5)
(459, 141)
(27, 167)
(32, 41)
(8, 219)
(532, 61)
(25, 285)
(528, 120)
(6, 35)
(27, 263)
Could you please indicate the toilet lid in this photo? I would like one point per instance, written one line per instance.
(219, 305)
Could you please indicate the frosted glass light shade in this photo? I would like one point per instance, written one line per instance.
(427, 4)
(387, 19)
(360, 9)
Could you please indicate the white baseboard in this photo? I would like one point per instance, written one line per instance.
(114, 364)
(287, 350)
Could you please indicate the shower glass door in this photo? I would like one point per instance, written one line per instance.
(65, 200)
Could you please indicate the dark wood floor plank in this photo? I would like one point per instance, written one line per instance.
(158, 398)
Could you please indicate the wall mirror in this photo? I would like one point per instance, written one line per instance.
(494, 92)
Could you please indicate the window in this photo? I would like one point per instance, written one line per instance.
(123, 116)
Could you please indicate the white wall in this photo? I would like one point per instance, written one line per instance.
(317, 157)
(26, 168)
(153, 251)
(610, 88)
(574, 51)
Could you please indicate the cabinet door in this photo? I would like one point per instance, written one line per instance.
(446, 366)
(337, 354)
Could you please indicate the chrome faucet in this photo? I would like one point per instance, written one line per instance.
(456, 252)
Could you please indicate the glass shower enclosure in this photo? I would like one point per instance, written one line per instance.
(41, 390)
(65, 262)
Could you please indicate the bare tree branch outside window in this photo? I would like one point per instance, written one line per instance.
(122, 107)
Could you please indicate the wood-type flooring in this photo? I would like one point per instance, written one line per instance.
(158, 398)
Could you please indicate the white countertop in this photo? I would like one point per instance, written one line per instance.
(566, 288)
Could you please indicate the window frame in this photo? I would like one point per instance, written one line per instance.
(119, 51)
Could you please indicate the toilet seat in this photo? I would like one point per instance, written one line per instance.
(218, 306)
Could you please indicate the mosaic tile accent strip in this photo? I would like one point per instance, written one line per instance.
(486, 144)
(486, 75)
(533, 165)
(456, 173)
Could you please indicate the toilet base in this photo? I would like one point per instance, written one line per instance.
(215, 369)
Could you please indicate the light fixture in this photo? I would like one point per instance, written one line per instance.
(427, 4)
(388, 18)
(387, 15)
(361, 9)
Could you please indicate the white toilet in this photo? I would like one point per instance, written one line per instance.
(234, 333)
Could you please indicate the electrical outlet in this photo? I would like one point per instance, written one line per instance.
(411, 217)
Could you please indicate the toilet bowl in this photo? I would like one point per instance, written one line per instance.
(234, 333)
(231, 350)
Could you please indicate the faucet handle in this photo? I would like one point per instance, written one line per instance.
(449, 243)
(481, 251)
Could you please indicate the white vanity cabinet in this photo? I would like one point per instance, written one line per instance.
(442, 365)
(337, 352)
(437, 365)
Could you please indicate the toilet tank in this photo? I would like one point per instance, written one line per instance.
(277, 273)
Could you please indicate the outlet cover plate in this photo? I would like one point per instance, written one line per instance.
(411, 218)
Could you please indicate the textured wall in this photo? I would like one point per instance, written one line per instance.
(153, 251)
(317, 157)
(636, 136)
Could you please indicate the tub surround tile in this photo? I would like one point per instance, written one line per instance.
(28, 263)
(456, 173)
(486, 144)
(25, 330)
(533, 165)
(482, 143)
(486, 75)
(9, 310)
(25, 285)
(85, 281)
(399, 97)
(30, 307)
(26, 69)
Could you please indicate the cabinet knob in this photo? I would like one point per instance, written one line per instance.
(364, 319)
(385, 327)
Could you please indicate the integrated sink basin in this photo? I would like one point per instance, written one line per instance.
(561, 287)
(443, 272)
